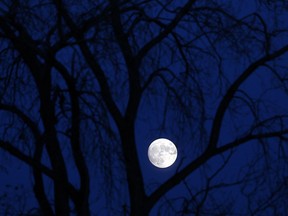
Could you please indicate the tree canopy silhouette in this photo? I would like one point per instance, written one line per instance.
(85, 84)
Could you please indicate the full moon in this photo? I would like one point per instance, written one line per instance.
(162, 153)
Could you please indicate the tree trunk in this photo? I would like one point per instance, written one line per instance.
(133, 171)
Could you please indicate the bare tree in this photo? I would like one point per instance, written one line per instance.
(82, 82)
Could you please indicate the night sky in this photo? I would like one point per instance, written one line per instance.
(86, 86)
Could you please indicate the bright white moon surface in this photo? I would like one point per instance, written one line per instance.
(162, 153)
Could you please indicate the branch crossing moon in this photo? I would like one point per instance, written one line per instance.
(162, 153)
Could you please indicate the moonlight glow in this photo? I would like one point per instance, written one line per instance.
(162, 153)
